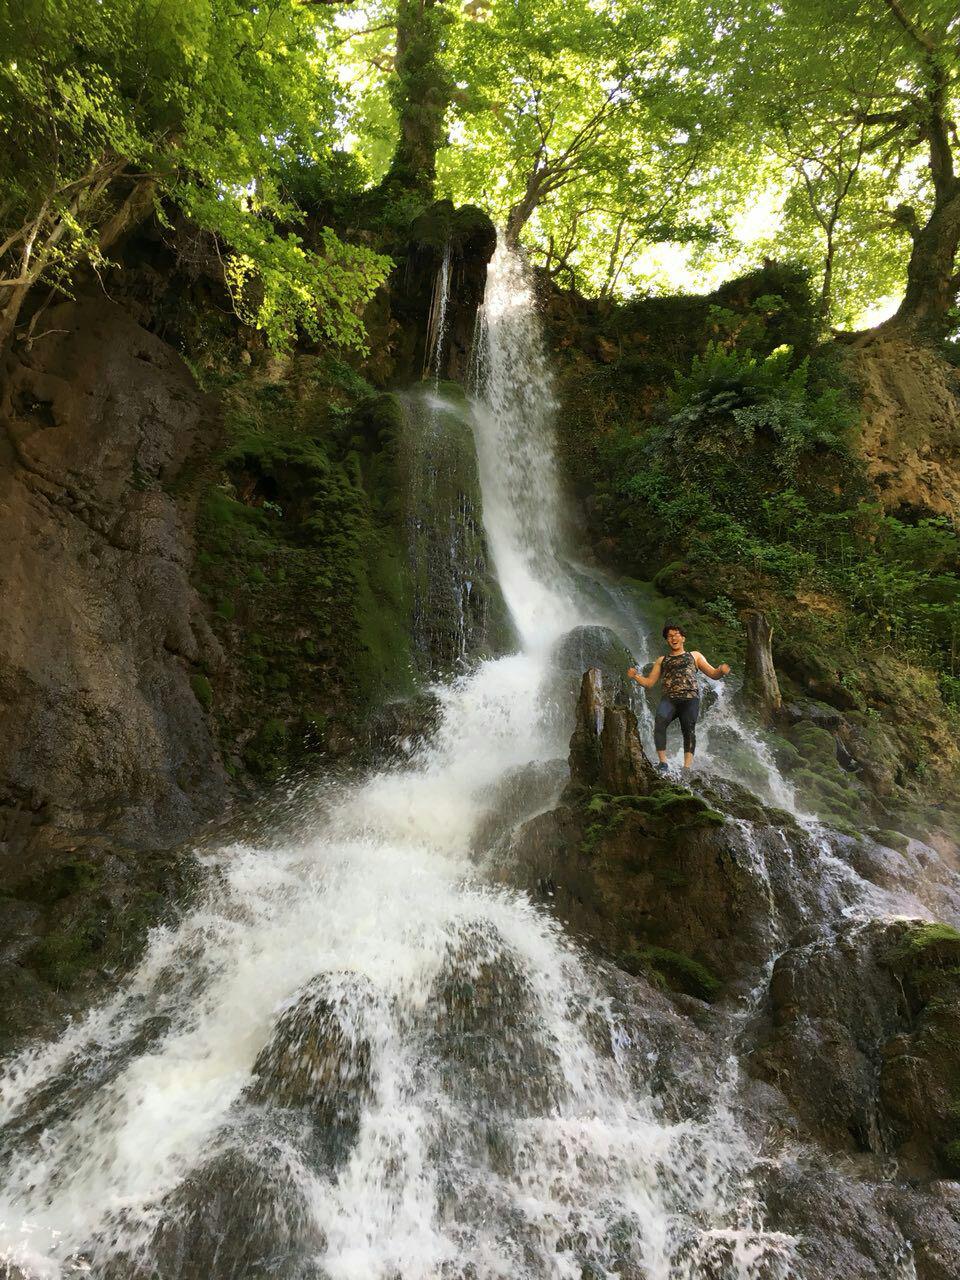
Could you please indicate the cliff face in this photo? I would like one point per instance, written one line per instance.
(101, 627)
(910, 426)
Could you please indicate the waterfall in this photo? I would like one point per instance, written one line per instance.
(353, 1058)
(434, 348)
(455, 605)
(515, 411)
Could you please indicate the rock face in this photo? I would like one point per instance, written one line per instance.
(873, 1014)
(465, 240)
(457, 611)
(100, 628)
(910, 436)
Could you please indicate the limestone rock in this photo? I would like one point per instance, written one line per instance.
(910, 432)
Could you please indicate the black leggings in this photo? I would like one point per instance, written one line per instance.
(684, 709)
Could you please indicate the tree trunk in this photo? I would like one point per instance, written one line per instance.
(826, 289)
(761, 687)
(932, 278)
(520, 213)
(10, 313)
(421, 94)
(130, 214)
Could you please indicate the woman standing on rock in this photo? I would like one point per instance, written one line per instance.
(681, 692)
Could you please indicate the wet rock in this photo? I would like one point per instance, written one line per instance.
(655, 881)
(317, 1062)
(872, 1014)
(605, 749)
(515, 798)
(929, 1218)
(648, 872)
(593, 647)
(482, 1011)
(99, 725)
(457, 611)
(236, 1218)
(841, 1228)
(585, 755)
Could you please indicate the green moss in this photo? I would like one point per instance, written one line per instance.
(930, 944)
(60, 958)
(672, 969)
(267, 752)
(76, 875)
(667, 810)
(950, 1154)
(891, 839)
(203, 691)
(99, 912)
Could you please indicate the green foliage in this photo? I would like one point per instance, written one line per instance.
(203, 691)
(672, 969)
(109, 110)
(751, 399)
(751, 473)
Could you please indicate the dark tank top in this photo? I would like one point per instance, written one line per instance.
(679, 675)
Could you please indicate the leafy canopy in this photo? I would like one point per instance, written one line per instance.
(105, 106)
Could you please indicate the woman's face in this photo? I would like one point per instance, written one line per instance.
(675, 640)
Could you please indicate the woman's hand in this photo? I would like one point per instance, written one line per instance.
(724, 668)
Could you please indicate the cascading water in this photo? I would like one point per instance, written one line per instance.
(435, 347)
(355, 1060)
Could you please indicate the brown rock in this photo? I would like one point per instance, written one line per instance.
(99, 724)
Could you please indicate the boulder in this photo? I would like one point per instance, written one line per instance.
(593, 647)
(239, 1215)
(872, 1013)
(317, 1062)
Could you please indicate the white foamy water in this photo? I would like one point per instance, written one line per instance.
(486, 1123)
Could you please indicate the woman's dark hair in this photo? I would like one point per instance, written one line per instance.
(672, 626)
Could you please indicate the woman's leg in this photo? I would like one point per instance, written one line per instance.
(666, 711)
(688, 711)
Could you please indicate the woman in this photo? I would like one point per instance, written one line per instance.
(681, 692)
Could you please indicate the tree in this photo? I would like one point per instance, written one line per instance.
(110, 110)
(860, 95)
(420, 91)
(589, 131)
